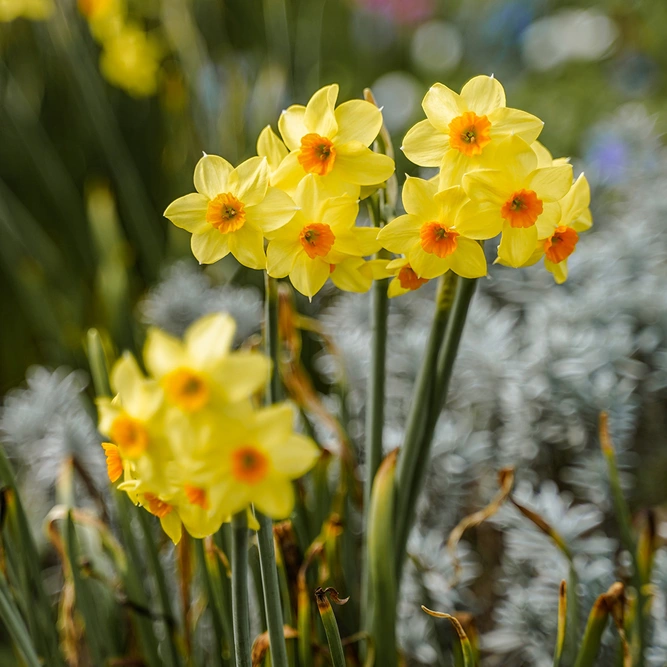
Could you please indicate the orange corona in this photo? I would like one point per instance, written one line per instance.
(226, 213)
(317, 239)
(522, 209)
(438, 239)
(196, 496)
(156, 506)
(186, 389)
(409, 279)
(561, 244)
(249, 465)
(130, 435)
(317, 154)
(470, 133)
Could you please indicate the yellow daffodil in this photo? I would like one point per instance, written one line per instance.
(575, 217)
(332, 143)
(404, 278)
(35, 10)
(461, 129)
(129, 419)
(131, 60)
(231, 211)
(518, 198)
(106, 18)
(429, 235)
(320, 236)
(200, 375)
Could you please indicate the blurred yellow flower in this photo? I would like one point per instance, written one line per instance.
(232, 210)
(518, 198)
(131, 60)
(106, 18)
(332, 143)
(35, 10)
(200, 374)
(429, 235)
(460, 130)
(320, 236)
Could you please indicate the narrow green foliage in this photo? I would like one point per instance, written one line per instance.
(11, 619)
(97, 359)
(330, 626)
(562, 622)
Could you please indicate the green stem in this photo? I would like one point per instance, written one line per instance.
(240, 589)
(331, 628)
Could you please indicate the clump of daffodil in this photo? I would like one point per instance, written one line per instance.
(322, 241)
(429, 234)
(517, 198)
(460, 131)
(332, 143)
(232, 210)
(188, 443)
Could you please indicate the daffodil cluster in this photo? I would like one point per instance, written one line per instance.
(187, 441)
(293, 209)
(130, 57)
(494, 178)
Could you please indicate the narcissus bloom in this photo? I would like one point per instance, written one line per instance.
(35, 10)
(518, 198)
(429, 235)
(332, 143)
(320, 237)
(461, 129)
(231, 211)
(404, 278)
(200, 374)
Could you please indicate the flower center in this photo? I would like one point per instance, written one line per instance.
(196, 496)
(317, 239)
(561, 244)
(130, 435)
(437, 239)
(409, 279)
(226, 213)
(469, 133)
(156, 506)
(249, 465)
(187, 389)
(114, 462)
(522, 209)
(317, 154)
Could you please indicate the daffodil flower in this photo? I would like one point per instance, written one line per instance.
(332, 143)
(520, 199)
(404, 278)
(315, 242)
(200, 375)
(461, 129)
(429, 235)
(231, 211)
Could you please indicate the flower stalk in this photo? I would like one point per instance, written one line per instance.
(240, 589)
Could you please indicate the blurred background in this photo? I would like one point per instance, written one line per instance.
(105, 107)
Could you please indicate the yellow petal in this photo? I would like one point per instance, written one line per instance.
(139, 397)
(455, 165)
(419, 199)
(309, 275)
(379, 268)
(395, 289)
(491, 186)
(544, 157)
(357, 120)
(242, 374)
(367, 238)
(517, 245)
(505, 122)
(310, 197)
(270, 147)
(450, 201)
(548, 220)
(163, 353)
(320, 117)
(576, 201)
(339, 212)
(274, 497)
(352, 275)
(281, 255)
(172, 526)
(210, 246)
(361, 166)
(273, 425)
(289, 173)
(468, 260)
(424, 145)
(189, 212)
(551, 183)
(483, 94)
(209, 340)
(442, 105)
(426, 265)
(250, 180)
(559, 271)
(479, 220)
(247, 245)
(295, 456)
(515, 158)
(400, 234)
(275, 210)
(211, 175)
(292, 126)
